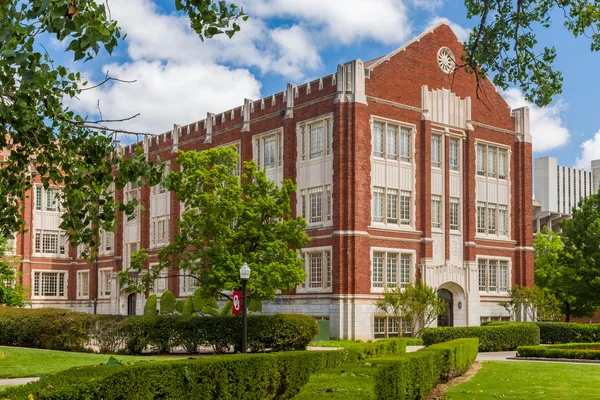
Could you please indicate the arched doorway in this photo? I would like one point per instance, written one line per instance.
(447, 318)
(131, 303)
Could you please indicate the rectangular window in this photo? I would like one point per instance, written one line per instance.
(502, 220)
(378, 202)
(391, 269)
(481, 150)
(379, 325)
(454, 155)
(270, 146)
(491, 219)
(391, 141)
(502, 163)
(405, 146)
(187, 283)
(482, 266)
(51, 200)
(83, 284)
(105, 282)
(454, 213)
(493, 275)
(492, 161)
(386, 327)
(49, 284)
(481, 217)
(436, 151)
(303, 205)
(328, 197)
(50, 242)
(378, 139)
(162, 282)
(316, 204)
(405, 213)
(503, 276)
(392, 206)
(318, 269)
(38, 197)
(160, 230)
(316, 139)
(436, 211)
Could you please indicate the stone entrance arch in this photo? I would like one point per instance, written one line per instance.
(456, 294)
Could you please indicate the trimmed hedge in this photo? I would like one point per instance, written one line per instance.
(57, 329)
(414, 375)
(576, 351)
(502, 337)
(568, 332)
(252, 376)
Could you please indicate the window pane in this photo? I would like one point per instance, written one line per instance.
(491, 219)
(392, 206)
(503, 276)
(316, 204)
(377, 270)
(316, 269)
(480, 217)
(379, 328)
(480, 159)
(269, 161)
(436, 151)
(436, 206)
(454, 213)
(378, 194)
(405, 147)
(405, 213)
(316, 139)
(454, 152)
(493, 275)
(502, 161)
(378, 139)
(392, 142)
(482, 275)
(492, 162)
(392, 270)
(405, 263)
(502, 220)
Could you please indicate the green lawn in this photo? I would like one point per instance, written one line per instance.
(530, 380)
(16, 362)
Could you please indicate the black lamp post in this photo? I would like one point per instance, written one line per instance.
(244, 276)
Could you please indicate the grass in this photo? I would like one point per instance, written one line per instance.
(530, 380)
(17, 362)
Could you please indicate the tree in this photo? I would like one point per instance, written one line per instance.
(150, 306)
(41, 133)
(413, 307)
(535, 302)
(168, 303)
(503, 42)
(12, 293)
(229, 220)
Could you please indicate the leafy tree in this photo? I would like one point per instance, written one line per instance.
(168, 303)
(504, 44)
(150, 306)
(12, 293)
(413, 307)
(535, 302)
(188, 307)
(41, 133)
(228, 221)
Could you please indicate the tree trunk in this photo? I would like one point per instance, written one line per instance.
(568, 312)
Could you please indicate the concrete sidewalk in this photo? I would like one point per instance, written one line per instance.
(17, 381)
(496, 356)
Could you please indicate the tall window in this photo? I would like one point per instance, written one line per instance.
(493, 275)
(390, 269)
(391, 206)
(83, 284)
(436, 211)
(454, 155)
(160, 230)
(105, 282)
(492, 161)
(454, 213)
(50, 242)
(187, 283)
(107, 242)
(49, 284)
(318, 269)
(162, 282)
(392, 141)
(316, 204)
(269, 151)
(46, 199)
(492, 219)
(316, 139)
(436, 151)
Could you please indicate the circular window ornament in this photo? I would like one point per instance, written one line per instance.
(446, 59)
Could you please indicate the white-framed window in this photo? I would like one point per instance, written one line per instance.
(492, 161)
(391, 268)
(387, 327)
(318, 268)
(494, 275)
(316, 138)
(454, 155)
(161, 188)
(50, 284)
(107, 242)
(436, 211)
(160, 231)
(11, 246)
(105, 282)
(454, 213)
(493, 318)
(49, 242)
(436, 151)
(132, 192)
(161, 284)
(268, 150)
(392, 141)
(187, 283)
(492, 219)
(11, 282)
(316, 207)
(83, 284)
(392, 206)
(46, 199)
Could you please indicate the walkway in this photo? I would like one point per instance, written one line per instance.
(17, 381)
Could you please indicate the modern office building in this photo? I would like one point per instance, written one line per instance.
(402, 173)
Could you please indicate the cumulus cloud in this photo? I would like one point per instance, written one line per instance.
(547, 126)
(461, 32)
(590, 150)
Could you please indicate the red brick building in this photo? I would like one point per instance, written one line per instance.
(402, 174)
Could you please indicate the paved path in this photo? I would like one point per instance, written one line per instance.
(496, 356)
(17, 381)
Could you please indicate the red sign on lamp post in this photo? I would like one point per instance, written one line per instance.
(236, 306)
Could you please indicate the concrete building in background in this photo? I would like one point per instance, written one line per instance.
(557, 189)
(402, 174)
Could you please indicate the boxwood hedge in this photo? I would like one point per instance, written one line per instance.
(502, 337)
(414, 375)
(576, 351)
(568, 332)
(251, 376)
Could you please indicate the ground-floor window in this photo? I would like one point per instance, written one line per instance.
(387, 327)
(495, 318)
(318, 268)
(50, 284)
(494, 275)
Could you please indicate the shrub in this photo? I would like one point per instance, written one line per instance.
(168, 303)
(502, 337)
(414, 375)
(577, 351)
(53, 329)
(188, 307)
(150, 306)
(262, 376)
(568, 332)
(106, 332)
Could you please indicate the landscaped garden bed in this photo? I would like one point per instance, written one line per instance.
(570, 351)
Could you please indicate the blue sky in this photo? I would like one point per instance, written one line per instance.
(179, 78)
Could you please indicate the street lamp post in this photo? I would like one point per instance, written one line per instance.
(244, 276)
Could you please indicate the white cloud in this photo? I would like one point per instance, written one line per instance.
(590, 150)
(547, 126)
(461, 32)
(341, 21)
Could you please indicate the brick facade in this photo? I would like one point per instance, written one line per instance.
(394, 88)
